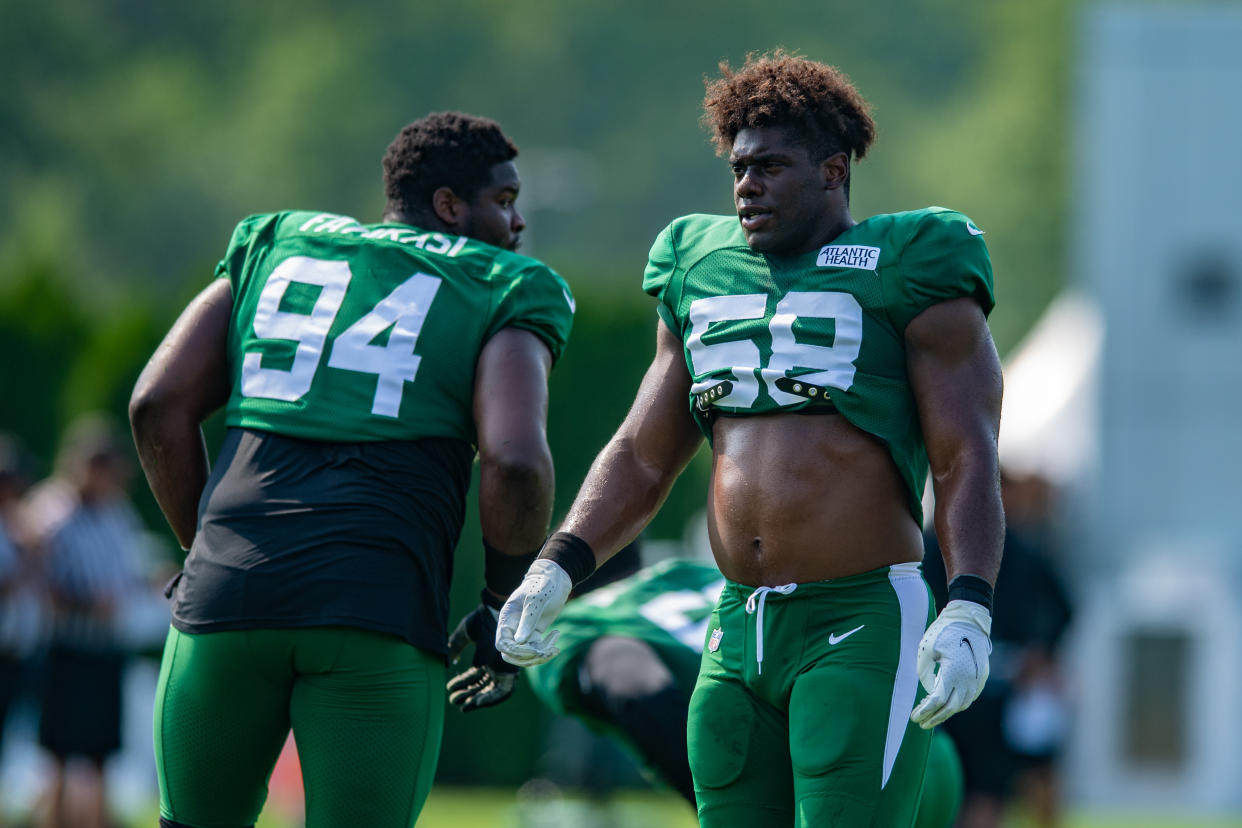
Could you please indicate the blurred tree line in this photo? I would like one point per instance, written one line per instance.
(133, 135)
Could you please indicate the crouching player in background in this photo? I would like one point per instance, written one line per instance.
(630, 653)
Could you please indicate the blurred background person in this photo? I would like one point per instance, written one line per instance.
(1011, 738)
(1036, 719)
(89, 539)
(20, 613)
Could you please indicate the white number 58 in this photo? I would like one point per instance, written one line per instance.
(829, 365)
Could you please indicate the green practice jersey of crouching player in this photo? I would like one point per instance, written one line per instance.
(325, 357)
(666, 605)
(765, 333)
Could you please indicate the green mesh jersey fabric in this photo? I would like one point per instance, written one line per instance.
(834, 318)
(666, 605)
(350, 332)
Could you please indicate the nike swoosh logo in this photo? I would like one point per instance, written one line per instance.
(972, 229)
(833, 638)
(569, 300)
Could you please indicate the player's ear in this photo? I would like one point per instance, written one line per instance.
(449, 208)
(835, 170)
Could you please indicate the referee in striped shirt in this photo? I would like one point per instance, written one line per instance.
(89, 537)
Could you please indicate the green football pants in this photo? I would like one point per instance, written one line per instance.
(943, 785)
(801, 712)
(366, 710)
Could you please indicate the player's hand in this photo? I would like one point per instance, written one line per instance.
(490, 679)
(522, 634)
(953, 661)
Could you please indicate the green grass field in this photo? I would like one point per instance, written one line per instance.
(488, 808)
(505, 808)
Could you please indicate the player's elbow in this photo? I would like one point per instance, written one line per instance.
(155, 406)
(653, 466)
(523, 462)
(148, 405)
(966, 453)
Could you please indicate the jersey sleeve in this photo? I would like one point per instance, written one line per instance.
(658, 276)
(535, 298)
(944, 258)
(233, 265)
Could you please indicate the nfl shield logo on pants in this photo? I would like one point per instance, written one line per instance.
(714, 644)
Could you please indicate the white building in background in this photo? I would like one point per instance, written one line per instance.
(1129, 394)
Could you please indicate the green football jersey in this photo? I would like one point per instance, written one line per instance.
(764, 334)
(666, 605)
(349, 332)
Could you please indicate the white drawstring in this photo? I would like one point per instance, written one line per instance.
(752, 607)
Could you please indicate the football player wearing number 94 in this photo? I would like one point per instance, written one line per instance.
(360, 367)
(828, 362)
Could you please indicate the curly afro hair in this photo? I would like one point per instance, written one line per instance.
(817, 102)
(443, 149)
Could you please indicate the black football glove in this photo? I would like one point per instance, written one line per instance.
(491, 679)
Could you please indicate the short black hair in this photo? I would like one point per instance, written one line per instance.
(816, 102)
(443, 149)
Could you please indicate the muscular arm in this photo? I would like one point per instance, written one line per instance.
(515, 466)
(183, 383)
(634, 473)
(625, 486)
(515, 500)
(956, 376)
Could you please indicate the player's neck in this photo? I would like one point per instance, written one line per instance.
(421, 220)
(834, 226)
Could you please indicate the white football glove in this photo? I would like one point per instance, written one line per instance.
(522, 631)
(953, 661)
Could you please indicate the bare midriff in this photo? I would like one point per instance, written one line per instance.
(796, 498)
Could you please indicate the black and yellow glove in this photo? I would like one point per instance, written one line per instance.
(490, 679)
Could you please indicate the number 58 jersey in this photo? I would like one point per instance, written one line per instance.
(763, 334)
(352, 333)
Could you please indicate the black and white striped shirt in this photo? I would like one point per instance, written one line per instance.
(91, 561)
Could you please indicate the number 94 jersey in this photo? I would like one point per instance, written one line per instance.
(352, 333)
(764, 334)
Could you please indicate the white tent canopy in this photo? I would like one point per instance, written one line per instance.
(1048, 417)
